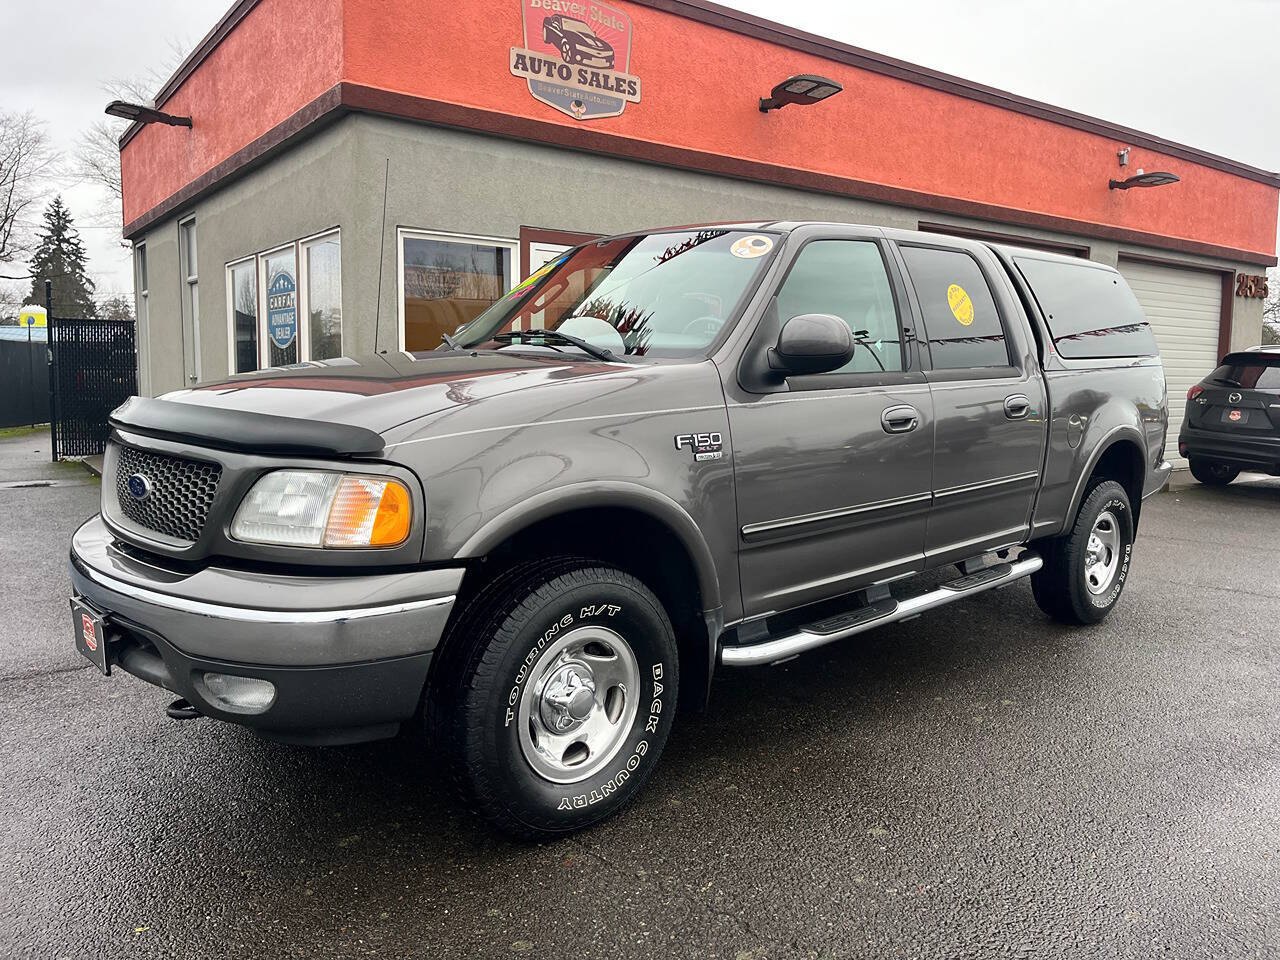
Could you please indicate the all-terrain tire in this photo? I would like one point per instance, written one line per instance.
(490, 694)
(1063, 587)
(1211, 473)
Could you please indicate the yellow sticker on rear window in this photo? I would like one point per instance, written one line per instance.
(961, 305)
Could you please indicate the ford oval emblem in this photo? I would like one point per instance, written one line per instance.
(139, 486)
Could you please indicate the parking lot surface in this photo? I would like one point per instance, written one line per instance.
(978, 782)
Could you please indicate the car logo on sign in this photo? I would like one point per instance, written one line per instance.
(139, 486)
(1234, 398)
(576, 57)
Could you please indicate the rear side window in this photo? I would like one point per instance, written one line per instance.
(1091, 312)
(1250, 373)
(959, 310)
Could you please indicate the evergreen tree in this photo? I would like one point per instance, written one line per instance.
(59, 256)
(116, 307)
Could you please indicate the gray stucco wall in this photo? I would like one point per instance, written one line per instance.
(457, 182)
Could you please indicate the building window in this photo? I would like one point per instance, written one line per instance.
(279, 328)
(285, 305)
(190, 298)
(322, 266)
(242, 297)
(446, 281)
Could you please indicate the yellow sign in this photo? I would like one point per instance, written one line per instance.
(961, 305)
(32, 317)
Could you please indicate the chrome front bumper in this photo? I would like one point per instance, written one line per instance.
(250, 617)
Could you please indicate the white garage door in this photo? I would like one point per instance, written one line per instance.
(1184, 307)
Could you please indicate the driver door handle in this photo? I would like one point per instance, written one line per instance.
(1016, 407)
(900, 419)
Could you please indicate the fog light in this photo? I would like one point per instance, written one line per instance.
(239, 694)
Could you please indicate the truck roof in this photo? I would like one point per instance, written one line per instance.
(893, 233)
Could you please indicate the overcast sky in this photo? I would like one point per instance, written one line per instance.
(1204, 74)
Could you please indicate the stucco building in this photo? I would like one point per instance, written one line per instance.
(363, 174)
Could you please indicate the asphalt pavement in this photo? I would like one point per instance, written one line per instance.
(975, 783)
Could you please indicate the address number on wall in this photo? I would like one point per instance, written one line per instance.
(1250, 285)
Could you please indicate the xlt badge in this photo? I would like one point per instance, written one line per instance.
(705, 446)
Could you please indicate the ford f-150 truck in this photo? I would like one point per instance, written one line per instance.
(663, 455)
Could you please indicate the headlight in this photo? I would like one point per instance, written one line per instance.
(314, 508)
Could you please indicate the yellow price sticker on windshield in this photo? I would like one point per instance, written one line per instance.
(961, 305)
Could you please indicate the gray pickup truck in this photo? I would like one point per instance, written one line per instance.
(663, 454)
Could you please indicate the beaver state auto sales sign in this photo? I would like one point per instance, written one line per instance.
(577, 57)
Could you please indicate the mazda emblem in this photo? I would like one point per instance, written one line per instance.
(1234, 398)
(139, 486)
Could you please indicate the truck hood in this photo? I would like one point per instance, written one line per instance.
(362, 396)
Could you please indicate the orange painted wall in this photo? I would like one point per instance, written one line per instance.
(282, 56)
(700, 86)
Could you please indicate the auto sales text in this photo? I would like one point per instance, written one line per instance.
(534, 66)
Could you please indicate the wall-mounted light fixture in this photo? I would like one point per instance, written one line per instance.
(140, 114)
(1156, 178)
(802, 90)
(1123, 156)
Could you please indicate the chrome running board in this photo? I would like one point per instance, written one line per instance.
(876, 615)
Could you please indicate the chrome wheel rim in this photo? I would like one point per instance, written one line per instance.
(578, 704)
(1102, 553)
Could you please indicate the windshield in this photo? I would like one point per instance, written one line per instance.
(658, 295)
(576, 26)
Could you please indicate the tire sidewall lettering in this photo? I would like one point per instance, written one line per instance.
(637, 754)
(1121, 509)
(640, 622)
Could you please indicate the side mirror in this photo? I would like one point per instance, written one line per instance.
(812, 343)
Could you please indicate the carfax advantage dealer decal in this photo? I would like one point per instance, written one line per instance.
(576, 57)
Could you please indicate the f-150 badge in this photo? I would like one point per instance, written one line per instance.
(705, 446)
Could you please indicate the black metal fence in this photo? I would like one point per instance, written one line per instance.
(93, 369)
(24, 383)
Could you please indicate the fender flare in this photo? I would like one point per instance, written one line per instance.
(596, 494)
(1120, 434)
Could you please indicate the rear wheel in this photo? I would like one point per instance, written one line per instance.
(1085, 569)
(1211, 473)
(558, 697)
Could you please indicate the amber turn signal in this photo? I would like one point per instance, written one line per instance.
(368, 512)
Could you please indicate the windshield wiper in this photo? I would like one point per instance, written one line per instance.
(528, 336)
(449, 342)
(1227, 380)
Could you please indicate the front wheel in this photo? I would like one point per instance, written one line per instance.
(1211, 473)
(1085, 569)
(559, 697)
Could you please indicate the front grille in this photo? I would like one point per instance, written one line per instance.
(181, 491)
